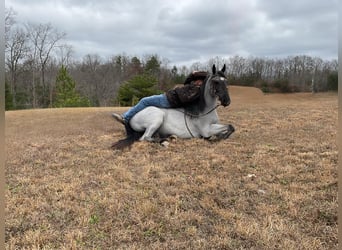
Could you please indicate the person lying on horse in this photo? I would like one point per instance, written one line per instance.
(173, 98)
(155, 124)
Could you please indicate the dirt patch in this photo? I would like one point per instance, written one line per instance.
(245, 94)
(241, 95)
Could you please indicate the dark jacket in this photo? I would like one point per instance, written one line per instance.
(182, 96)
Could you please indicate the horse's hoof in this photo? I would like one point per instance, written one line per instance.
(231, 129)
(173, 138)
(214, 138)
(165, 144)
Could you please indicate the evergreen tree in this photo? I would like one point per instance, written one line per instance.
(131, 91)
(66, 95)
(8, 98)
(152, 66)
(333, 81)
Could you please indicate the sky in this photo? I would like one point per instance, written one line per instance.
(189, 31)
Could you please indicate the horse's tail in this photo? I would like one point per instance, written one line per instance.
(131, 137)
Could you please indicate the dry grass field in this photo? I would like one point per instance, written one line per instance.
(271, 185)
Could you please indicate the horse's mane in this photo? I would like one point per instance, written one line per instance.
(194, 108)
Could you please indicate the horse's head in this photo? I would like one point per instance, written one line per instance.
(218, 85)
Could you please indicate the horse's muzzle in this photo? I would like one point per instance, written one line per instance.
(225, 102)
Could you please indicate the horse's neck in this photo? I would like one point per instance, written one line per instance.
(210, 101)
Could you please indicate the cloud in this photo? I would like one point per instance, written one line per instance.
(188, 30)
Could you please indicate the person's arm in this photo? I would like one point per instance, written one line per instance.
(188, 93)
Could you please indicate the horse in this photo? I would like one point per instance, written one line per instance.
(179, 122)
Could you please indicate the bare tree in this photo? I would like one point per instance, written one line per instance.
(218, 61)
(196, 66)
(9, 22)
(44, 39)
(90, 78)
(237, 65)
(16, 52)
(65, 54)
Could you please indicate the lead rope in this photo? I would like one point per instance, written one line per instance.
(187, 127)
(197, 116)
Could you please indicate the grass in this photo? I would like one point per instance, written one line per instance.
(272, 185)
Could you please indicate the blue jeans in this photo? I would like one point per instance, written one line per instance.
(159, 101)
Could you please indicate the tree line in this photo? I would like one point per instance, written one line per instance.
(41, 71)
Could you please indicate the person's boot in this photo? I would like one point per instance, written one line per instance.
(119, 118)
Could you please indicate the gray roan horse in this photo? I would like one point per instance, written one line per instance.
(153, 121)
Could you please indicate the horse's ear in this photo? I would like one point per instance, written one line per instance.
(214, 69)
(223, 68)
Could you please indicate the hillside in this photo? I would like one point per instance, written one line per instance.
(271, 185)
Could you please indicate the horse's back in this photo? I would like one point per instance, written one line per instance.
(146, 117)
(171, 121)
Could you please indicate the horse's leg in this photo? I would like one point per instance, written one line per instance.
(151, 128)
(223, 135)
(217, 131)
(148, 135)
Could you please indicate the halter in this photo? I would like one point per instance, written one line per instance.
(186, 113)
(196, 116)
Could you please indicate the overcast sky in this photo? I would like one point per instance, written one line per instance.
(186, 31)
